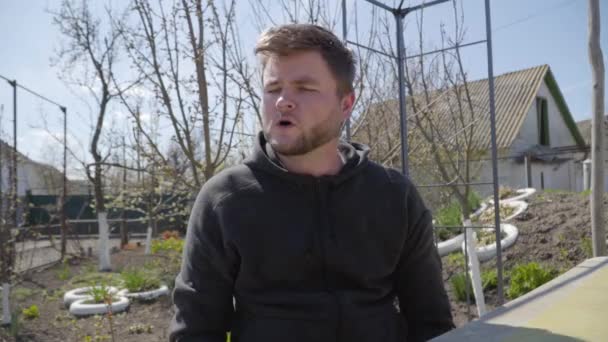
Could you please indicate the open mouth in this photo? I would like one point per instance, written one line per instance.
(285, 123)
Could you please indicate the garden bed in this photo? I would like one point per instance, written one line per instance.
(143, 321)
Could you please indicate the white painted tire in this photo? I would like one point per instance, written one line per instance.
(81, 293)
(79, 308)
(449, 246)
(485, 253)
(520, 207)
(523, 194)
(146, 295)
(452, 245)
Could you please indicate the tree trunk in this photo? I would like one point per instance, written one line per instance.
(597, 134)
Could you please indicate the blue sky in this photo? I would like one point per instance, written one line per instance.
(526, 33)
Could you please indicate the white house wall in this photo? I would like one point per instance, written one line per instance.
(559, 134)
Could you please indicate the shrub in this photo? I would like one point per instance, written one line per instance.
(587, 247)
(64, 273)
(527, 277)
(460, 282)
(451, 215)
(31, 313)
(138, 280)
(169, 245)
(489, 280)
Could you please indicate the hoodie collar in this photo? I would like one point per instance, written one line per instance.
(265, 158)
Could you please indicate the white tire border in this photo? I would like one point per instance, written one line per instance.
(146, 295)
(485, 253)
(79, 308)
(81, 293)
(452, 245)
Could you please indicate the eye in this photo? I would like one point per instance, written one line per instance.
(272, 90)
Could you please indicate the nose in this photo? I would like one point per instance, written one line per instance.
(284, 104)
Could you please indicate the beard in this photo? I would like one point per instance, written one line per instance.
(308, 140)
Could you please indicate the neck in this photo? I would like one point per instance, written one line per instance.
(323, 161)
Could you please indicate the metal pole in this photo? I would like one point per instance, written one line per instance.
(494, 154)
(402, 109)
(528, 165)
(124, 237)
(64, 226)
(14, 166)
(344, 35)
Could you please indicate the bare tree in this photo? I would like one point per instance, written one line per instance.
(87, 59)
(597, 136)
(167, 44)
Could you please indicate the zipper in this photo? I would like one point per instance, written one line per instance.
(324, 224)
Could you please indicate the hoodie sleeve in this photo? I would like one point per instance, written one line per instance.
(419, 282)
(203, 288)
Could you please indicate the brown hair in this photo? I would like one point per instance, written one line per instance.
(287, 39)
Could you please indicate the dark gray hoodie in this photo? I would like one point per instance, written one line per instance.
(308, 258)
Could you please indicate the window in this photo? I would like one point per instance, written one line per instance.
(543, 121)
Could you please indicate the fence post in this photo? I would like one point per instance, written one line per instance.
(528, 166)
(587, 174)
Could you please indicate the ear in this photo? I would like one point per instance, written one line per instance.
(347, 103)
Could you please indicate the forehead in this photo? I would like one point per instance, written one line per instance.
(299, 66)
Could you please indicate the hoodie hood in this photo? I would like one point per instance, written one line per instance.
(265, 159)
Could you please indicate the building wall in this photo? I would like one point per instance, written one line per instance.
(559, 134)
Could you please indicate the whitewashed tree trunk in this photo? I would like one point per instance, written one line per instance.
(474, 270)
(149, 240)
(6, 308)
(104, 248)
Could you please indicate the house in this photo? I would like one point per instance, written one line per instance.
(34, 177)
(533, 124)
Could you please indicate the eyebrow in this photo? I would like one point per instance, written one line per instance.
(306, 80)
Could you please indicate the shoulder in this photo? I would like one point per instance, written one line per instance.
(388, 176)
(226, 184)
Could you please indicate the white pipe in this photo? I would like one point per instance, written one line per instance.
(474, 270)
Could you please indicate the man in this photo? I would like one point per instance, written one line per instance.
(314, 241)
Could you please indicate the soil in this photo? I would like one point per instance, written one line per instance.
(144, 321)
(555, 231)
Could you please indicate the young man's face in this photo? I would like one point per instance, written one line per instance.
(301, 106)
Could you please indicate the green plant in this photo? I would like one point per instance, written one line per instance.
(136, 280)
(169, 245)
(455, 260)
(449, 215)
(586, 192)
(64, 273)
(31, 313)
(587, 247)
(527, 277)
(99, 293)
(489, 280)
(460, 285)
